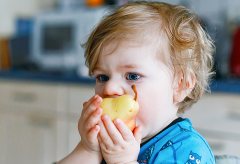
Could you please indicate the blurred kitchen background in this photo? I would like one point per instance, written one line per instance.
(43, 77)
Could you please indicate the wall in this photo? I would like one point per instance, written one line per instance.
(214, 10)
(11, 9)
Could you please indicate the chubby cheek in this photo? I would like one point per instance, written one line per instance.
(147, 120)
(145, 114)
(99, 90)
(152, 113)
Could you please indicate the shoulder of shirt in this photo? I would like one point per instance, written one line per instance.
(177, 142)
(184, 132)
(185, 128)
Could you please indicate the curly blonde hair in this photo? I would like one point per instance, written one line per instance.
(190, 46)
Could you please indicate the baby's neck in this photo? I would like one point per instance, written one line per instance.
(145, 139)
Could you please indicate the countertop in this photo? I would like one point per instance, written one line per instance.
(217, 85)
(45, 77)
(225, 86)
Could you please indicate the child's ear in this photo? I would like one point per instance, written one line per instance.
(180, 91)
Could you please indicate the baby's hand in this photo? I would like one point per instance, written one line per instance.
(87, 125)
(118, 143)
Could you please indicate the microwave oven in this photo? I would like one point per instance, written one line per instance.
(57, 37)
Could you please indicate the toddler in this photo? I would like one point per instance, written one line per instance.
(162, 50)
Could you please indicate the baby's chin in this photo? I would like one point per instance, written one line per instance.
(144, 133)
(138, 124)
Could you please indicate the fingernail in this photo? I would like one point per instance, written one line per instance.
(117, 120)
(98, 110)
(98, 99)
(105, 117)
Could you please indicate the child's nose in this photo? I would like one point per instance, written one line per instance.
(113, 88)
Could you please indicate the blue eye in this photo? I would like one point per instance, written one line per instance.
(133, 76)
(102, 78)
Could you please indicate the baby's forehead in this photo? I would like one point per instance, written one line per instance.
(143, 49)
(121, 47)
(159, 43)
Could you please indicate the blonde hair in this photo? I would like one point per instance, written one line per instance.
(189, 45)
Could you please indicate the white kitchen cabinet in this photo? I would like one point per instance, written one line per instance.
(29, 95)
(27, 139)
(38, 121)
(77, 96)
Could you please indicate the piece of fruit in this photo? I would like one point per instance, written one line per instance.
(124, 107)
(95, 3)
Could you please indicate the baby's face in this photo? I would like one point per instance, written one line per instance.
(137, 64)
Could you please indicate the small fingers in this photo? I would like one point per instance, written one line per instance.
(93, 119)
(89, 102)
(93, 133)
(100, 141)
(84, 103)
(90, 115)
(91, 106)
(138, 134)
(105, 140)
(112, 130)
(126, 133)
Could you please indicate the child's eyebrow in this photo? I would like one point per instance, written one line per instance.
(128, 66)
(97, 68)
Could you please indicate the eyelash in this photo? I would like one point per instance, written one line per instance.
(99, 77)
(102, 75)
(133, 74)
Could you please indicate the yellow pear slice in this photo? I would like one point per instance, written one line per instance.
(124, 107)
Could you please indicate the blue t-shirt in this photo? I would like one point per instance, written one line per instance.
(179, 143)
